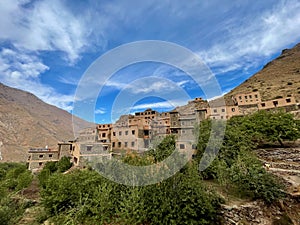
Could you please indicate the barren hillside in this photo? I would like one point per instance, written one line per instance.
(26, 121)
(280, 77)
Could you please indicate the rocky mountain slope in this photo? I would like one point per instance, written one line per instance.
(278, 78)
(26, 121)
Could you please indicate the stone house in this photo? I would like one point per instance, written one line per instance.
(38, 157)
(88, 151)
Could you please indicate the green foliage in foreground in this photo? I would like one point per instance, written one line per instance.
(14, 177)
(52, 167)
(84, 197)
(235, 166)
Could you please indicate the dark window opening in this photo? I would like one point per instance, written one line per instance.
(182, 146)
(288, 100)
(89, 148)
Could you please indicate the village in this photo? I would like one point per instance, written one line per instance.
(141, 131)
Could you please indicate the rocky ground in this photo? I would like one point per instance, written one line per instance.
(285, 164)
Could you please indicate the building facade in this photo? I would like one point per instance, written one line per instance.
(38, 157)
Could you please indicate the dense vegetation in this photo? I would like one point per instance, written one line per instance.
(86, 197)
(14, 178)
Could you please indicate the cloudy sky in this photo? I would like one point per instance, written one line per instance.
(46, 47)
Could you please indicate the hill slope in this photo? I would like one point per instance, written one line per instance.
(280, 77)
(26, 121)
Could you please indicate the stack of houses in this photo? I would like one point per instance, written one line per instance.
(143, 130)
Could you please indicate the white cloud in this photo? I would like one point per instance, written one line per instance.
(159, 105)
(44, 26)
(16, 64)
(100, 111)
(250, 41)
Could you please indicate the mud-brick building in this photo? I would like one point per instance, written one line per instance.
(160, 127)
(132, 132)
(223, 112)
(88, 135)
(88, 151)
(288, 103)
(38, 157)
(184, 126)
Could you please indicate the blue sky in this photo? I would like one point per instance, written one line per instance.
(46, 46)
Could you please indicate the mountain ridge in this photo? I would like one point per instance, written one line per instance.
(26, 121)
(278, 78)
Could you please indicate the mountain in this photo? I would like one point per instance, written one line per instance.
(26, 121)
(278, 78)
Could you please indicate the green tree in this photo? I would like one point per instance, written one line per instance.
(63, 164)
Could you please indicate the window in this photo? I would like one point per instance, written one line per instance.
(256, 96)
(222, 117)
(182, 123)
(223, 110)
(41, 156)
(132, 144)
(263, 104)
(182, 146)
(89, 148)
(114, 133)
(133, 132)
(232, 109)
(288, 100)
(126, 132)
(103, 135)
(183, 131)
(275, 103)
(246, 97)
(250, 96)
(113, 144)
(119, 144)
(50, 156)
(120, 133)
(240, 97)
(126, 144)
(215, 110)
(40, 163)
(105, 148)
